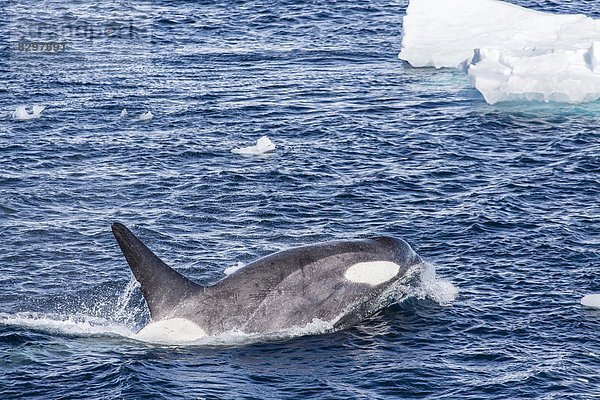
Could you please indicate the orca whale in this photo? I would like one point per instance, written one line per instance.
(340, 282)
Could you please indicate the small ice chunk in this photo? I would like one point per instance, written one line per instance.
(124, 113)
(37, 110)
(21, 113)
(591, 300)
(262, 146)
(509, 52)
(147, 116)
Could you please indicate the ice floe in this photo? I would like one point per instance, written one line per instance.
(509, 52)
(262, 146)
(21, 113)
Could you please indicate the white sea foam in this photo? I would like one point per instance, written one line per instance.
(77, 325)
(315, 327)
(262, 146)
(233, 268)
(21, 113)
(433, 287)
(509, 52)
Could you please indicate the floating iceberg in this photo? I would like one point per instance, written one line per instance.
(263, 145)
(509, 52)
(21, 114)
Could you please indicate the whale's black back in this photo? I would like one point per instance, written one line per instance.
(293, 287)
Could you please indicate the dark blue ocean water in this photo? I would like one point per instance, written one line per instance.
(503, 200)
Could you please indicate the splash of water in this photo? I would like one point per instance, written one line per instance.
(123, 313)
(102, 318)
(75, 325)
(421, 282)
(233, 268)
(433, 287)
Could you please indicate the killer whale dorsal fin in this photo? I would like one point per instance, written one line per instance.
(162, 286)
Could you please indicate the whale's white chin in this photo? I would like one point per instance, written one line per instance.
(171, 330)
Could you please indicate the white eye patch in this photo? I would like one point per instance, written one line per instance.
(372, 273)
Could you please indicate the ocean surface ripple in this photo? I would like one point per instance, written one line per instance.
(502, 200)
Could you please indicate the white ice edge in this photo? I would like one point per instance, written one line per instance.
(510, 53)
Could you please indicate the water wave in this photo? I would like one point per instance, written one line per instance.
(421, 282)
